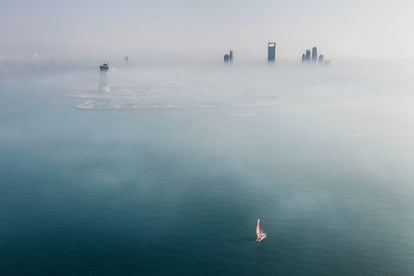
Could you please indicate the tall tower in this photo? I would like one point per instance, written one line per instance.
(308, 55)
(321, 59)
(228, 58)
(314, 55)
(271, 52)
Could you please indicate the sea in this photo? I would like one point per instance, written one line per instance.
(322, 154)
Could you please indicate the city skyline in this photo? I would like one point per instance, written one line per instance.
(184, 29)
(313, 57)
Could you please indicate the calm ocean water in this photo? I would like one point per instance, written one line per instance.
(328, 169)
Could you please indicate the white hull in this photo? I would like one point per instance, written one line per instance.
(262, 237)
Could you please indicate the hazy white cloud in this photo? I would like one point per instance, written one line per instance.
(206, 28)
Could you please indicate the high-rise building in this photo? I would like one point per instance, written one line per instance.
(321, 59)
(314, 55)
(271, 52)
(228, 58)
(308, 55)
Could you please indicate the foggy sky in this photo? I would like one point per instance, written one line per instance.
(206, 29)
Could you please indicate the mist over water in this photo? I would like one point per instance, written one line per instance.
(322, 154)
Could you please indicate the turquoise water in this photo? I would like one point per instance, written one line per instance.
(177, 192)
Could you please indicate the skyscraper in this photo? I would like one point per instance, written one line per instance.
(314, 55)
(228, 58)
(271, 52)
(308, 55)
(321, 59)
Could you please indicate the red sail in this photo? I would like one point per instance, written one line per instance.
(258, 229)
(259, 233)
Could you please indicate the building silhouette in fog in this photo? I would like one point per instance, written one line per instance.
(103, 78)
(307, 55)
(271, 52)
(314, 55)
(321, 59)
(228, 58)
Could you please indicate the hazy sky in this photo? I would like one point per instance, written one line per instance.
(184, 29)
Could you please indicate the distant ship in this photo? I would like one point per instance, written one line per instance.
(259, 232)
(104, 67)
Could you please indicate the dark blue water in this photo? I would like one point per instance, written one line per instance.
(178, 192)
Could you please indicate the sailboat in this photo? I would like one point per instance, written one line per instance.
(259, 232)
